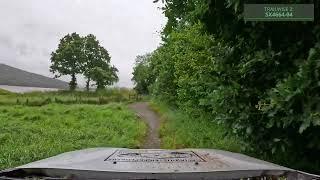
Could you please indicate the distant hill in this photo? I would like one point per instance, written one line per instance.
(16, 77)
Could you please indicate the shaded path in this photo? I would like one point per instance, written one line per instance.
(151, 118)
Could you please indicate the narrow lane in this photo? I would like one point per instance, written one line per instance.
(153, 121)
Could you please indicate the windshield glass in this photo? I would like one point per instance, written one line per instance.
(230, 75)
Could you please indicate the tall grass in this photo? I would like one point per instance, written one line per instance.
(66, 97)
(31, 133)
(4, 92)
(178, 130)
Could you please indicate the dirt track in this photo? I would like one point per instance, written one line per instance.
(151, 118)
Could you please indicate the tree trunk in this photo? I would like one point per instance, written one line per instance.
(100, 87)
(88, 84)
(73, 82)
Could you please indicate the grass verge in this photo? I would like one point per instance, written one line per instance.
(178, 130)
(31, 133)
(4, 92)
(67, 97)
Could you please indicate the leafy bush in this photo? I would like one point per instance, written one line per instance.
(162, 67)
(259, 79)
(293, 106)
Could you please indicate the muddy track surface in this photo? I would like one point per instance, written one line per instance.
(153, 121)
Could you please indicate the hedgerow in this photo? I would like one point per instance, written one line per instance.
(260, 79)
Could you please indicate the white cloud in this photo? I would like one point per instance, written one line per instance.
(31, 29)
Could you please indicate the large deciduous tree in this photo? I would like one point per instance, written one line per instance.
(97, 64)
(83, 55)
(68, 58)
(95, 56)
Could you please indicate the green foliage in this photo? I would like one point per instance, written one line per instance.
(68, 58)
(28, 134)
(83, 55)
(104, 96)
(194, 65)
(259, 79)
(179, 130)
(4, 92)
(104, 76)
(293, 105)
(154, 73)
(97, 64)
(142, 76)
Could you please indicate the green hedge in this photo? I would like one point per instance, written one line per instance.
(261, 79)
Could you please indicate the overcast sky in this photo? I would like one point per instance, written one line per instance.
(30, 30)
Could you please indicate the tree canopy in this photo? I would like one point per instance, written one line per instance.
(260, 79)
(83, 55)
(68, 59)
(141, 76)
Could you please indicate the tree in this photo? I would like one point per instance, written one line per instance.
(68, 58)
(103, 76)
(141, 74)
(76, 54)
(95, 56)
(97, 64)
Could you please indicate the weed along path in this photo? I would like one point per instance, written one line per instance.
(151, 118)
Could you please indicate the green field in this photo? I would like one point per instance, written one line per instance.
(30, 133)
(65, 97)
(181, 131)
